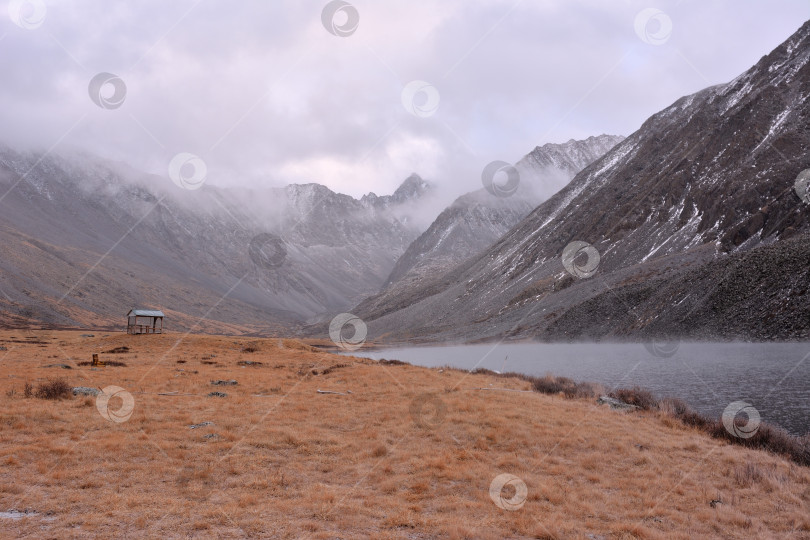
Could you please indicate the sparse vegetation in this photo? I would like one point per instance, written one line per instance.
(643, 399)
(385, 362)
(252, 363)
(54, 389)
(330, 369)
(770, 438)
(562, 385)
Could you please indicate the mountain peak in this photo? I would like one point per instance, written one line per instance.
(306, 189)
(410, 189)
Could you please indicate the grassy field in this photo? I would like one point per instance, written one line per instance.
(396, 452)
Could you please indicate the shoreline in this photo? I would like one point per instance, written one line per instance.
(768, 437)
(697, 374)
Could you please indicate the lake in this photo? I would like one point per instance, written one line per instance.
(773, 377)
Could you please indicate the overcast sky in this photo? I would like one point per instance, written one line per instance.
(265, 94)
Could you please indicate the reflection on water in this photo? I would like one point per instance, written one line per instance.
(774, 377)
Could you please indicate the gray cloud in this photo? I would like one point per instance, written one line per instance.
(266, 96)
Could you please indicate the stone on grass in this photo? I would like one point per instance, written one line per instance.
(85, 391)
(616, 404)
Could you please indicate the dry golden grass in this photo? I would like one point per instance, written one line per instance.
(409, 453)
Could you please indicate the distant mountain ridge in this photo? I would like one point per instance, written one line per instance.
(85, 240)
(569, 157)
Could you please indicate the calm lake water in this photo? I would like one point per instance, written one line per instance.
(774, 378)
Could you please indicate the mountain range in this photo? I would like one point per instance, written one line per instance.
(689, 228)
(86, 239)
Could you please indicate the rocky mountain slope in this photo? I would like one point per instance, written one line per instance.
(465, 228)
(476, 220)
(84, 241)
(700, 202)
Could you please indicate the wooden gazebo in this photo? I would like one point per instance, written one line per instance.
(144, 321)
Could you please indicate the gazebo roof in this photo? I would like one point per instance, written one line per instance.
(145, 313)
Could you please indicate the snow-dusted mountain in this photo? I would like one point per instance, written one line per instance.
(476, 220)
(85, 240)
(694, 218)
(550, 167)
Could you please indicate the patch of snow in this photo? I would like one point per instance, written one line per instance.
(780, 118)
(735, 98)
(16, 514)
(445, 234)
(684, 237)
